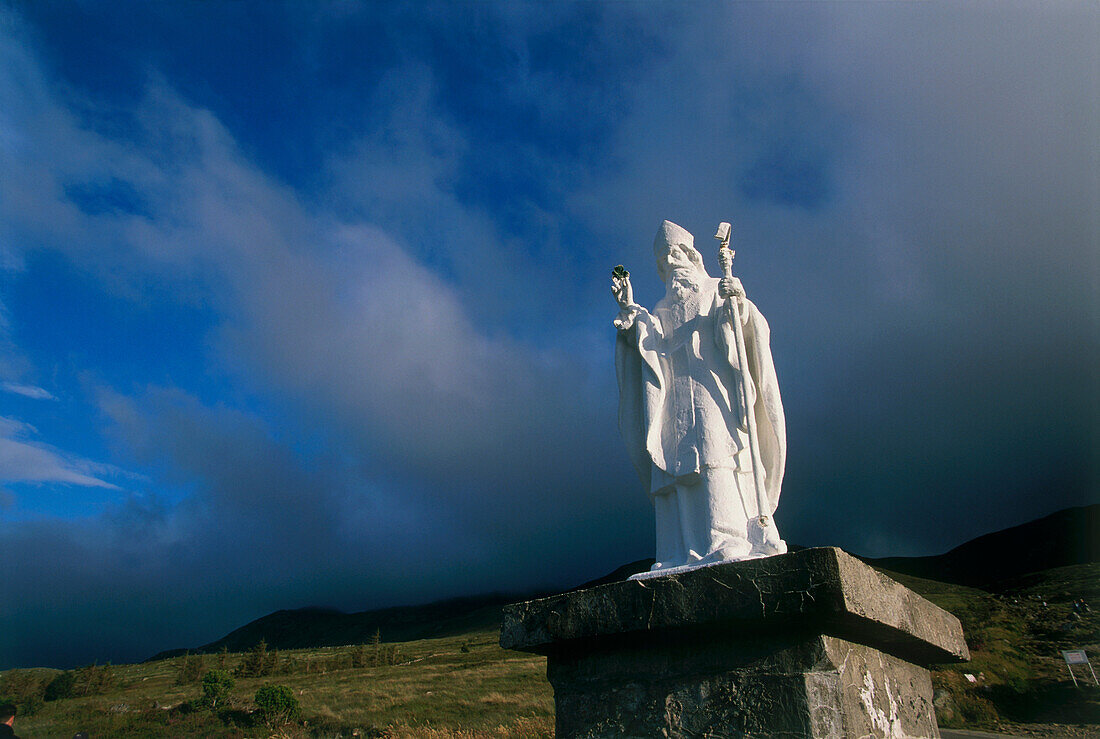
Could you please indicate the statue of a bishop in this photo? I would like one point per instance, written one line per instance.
(700, 411)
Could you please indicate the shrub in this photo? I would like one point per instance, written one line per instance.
(93, 679)
(276, 704)
(216, 685)
(190, 669)
(62, 686)
(271, 663)
(384, 654)
(975, 710)
(23, 689)
(255, 662)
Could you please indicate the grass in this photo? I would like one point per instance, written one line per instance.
(464, 686)
(467, 687)
(1015, 647)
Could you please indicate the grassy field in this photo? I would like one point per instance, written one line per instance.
(466, 686)
(454, 687)
(1015, 639)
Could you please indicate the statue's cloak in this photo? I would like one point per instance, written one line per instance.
(643, 384)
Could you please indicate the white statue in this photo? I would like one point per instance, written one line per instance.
(712, 469)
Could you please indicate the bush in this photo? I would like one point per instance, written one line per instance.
(23, 689)
(93, 679)
(256, 662)
(276, 705)
(62, 686)
(384, 654)
(216, 685)
(190, 669)
(271, 662)
(976, 710)
(387, 655)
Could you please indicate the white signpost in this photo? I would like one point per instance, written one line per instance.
(1077, 657)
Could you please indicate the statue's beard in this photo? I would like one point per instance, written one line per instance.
(682, 296)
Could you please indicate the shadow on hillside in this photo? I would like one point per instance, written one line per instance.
(1048, 703)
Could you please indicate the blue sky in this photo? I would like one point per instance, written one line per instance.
(308, 304)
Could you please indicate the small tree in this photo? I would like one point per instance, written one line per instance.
(223, 657)
(376, 647)
(254, 661)
(93, 679)
(190, 669)
(358, 656)
(216, 685)
(271, 663)
(276, 705)
(22, 688)
(62, 686)
(390, 655)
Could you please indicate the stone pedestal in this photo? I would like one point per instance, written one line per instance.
(808, 644)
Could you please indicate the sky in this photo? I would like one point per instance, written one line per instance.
(308, 304)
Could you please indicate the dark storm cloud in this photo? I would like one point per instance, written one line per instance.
(932, 303)
(416, 337)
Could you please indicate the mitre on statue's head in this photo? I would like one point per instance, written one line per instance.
(669, 234)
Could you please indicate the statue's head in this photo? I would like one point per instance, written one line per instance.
(674, 248)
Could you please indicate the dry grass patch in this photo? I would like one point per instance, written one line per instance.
(463, 686)
(524, 727)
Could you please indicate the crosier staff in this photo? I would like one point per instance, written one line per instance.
(725, 261)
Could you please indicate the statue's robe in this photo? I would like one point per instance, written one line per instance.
(681, 415)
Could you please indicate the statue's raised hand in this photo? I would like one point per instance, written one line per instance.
(620, 287)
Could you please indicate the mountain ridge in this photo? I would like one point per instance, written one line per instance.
(1063, 538)
(997, 560)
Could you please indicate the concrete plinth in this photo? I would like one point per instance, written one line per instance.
(808, 644)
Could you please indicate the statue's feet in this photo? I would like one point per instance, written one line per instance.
(764, 537)
(731, 550)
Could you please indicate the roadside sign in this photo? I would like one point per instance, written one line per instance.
(1077, 657)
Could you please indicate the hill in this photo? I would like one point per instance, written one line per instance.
(466, 687)
(449, 678)
(319, 627)
(1015, 639)
(1068, 537)
(998, 562)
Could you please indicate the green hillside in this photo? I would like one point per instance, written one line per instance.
(466, 686)
(1015, 644)
(441, 673)
(315, 627)
(459, 686)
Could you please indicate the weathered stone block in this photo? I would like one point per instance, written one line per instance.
(813, 643)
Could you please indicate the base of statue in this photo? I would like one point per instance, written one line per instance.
(810, 644)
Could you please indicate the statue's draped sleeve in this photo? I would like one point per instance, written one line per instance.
(767, 406)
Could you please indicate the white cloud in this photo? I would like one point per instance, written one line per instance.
(28, 391)
(25, 461)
